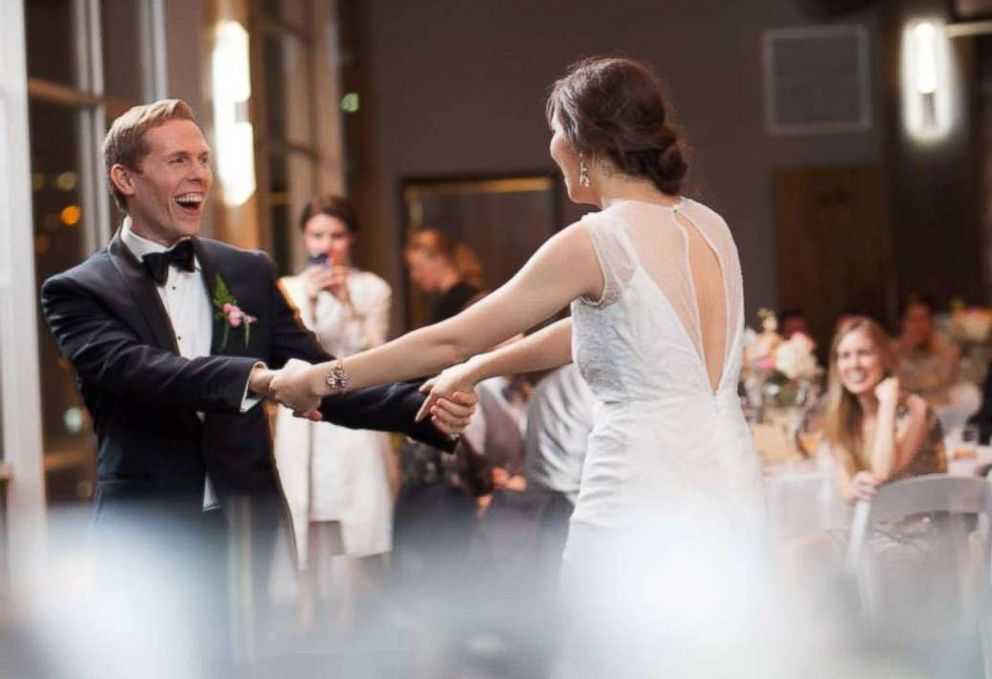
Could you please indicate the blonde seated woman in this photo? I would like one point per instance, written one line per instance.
(876, 431)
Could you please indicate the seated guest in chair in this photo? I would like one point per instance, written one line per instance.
(927, 364)
(876, 431)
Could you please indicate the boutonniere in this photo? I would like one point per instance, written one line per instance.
(226, 309)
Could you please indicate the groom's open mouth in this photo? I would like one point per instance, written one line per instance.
(191, 204)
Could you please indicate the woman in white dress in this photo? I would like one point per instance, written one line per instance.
(671, 476)
(335, 479)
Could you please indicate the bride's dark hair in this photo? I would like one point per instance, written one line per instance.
(614, 107)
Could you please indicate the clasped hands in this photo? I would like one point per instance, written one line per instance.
(295, 386)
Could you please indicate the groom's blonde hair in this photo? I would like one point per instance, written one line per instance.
(125, 141)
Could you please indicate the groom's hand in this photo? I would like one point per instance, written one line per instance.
(259, 380)
(291, 387)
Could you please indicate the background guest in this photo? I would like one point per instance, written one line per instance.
(339, 497)
(503, 408)
(927, 363)
(876, 430)
(791, 321)
(435, 512)
(559, 420)
(440, 265)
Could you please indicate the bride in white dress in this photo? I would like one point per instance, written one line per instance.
(654, 283)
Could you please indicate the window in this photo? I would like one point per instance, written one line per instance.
(81, 57)
(294, 99)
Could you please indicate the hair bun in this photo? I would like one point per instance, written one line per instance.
(671, 168)
(614, 108)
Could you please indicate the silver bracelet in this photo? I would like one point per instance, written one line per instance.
(337, 379)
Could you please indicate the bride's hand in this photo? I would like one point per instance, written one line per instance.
(291, 386)
(451, 399)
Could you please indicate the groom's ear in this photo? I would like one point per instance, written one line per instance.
(121, 178)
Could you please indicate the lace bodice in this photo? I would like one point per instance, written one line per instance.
(643, 338)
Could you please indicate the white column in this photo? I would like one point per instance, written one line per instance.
(19, 377)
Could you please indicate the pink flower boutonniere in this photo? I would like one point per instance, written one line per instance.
(226, 309)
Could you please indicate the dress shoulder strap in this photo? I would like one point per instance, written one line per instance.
(616, 260)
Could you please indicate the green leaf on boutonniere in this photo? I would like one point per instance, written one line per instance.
(227, 311)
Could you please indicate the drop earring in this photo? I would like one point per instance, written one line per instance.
(584, 173)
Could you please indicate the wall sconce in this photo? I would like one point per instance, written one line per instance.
(927, 81)
(233, 132)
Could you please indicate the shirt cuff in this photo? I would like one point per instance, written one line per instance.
(249, 401)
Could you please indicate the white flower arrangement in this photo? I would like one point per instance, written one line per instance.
(778, 372)
(971, 324)
(795, 359)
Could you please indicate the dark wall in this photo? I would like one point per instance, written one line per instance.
(935, 187)
(454, 87)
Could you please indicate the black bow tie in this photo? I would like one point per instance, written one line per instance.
(179, 255)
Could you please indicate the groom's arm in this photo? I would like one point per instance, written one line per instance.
(388, 408)
(106, 353)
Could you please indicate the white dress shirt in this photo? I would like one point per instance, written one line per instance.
(187, 303)
(559, 419)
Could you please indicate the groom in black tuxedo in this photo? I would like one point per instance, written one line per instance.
(174, 337)
(174, 340)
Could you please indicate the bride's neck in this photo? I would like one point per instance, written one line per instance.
(617, 188)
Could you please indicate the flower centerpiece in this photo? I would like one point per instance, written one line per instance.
(971, 328)
(779, 381)
(778, 372)
(970, 324)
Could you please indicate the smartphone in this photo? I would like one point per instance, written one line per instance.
(319, 260)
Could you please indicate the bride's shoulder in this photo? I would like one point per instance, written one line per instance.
(709, 219)
(698, 209)
(585, 231)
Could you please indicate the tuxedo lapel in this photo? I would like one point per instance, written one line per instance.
(146, 297)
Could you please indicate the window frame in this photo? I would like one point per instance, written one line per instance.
(88, 100)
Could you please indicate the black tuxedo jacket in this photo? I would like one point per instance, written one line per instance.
(110, 323)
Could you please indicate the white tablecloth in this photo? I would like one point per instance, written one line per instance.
(802, 497)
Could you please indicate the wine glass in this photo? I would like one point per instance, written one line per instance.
(809, 435)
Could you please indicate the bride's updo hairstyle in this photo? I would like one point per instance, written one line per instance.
(613, 107)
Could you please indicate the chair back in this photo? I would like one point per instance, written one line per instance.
(917, 495)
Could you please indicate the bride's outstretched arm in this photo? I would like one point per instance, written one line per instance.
(549, 347)
(564, 268)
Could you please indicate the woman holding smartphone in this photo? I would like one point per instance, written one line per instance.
(336, 479)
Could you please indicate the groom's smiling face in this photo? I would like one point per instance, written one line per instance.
(167, 193)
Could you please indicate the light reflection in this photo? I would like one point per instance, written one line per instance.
(234, 135)
(66, 181)
(70, 215)
(350, 102)
(929, 88)
(42, 244)
(73, 420)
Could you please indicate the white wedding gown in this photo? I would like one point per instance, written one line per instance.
(669, 503)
